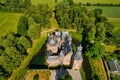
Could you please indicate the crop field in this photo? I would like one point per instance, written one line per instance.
(8, 22)
(108, 11)
(98, 1)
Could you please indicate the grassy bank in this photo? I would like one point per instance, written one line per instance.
(76, 36)
(82, 73)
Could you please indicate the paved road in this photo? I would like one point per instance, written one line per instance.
(52, 75)
(76, 75)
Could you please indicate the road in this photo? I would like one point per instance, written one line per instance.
(52, 75)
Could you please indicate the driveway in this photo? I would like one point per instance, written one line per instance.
(52, 74)
(76, 75)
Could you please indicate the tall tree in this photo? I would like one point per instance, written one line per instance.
(22, 26)
(24, 41)
(95, 50)
(100, 32)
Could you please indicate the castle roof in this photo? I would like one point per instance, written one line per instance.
(78, 55)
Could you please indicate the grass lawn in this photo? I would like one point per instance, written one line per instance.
(8, 22)
(74, 47)
(99, 68)
(43, 74)
(98, 1)
(82, 73)
(108, 11)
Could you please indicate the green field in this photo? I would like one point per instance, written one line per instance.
(108, 11)
(98, 1)
(51, 3)
(8, 22)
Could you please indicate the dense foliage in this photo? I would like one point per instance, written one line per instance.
(22, 26)
(12, 52)
(15, 6)
(39, 17)
(89, 23)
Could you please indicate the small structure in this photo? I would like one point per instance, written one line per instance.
(78, 59)
(113, 66)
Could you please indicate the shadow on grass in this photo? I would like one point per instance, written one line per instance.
(87, 68)
(39, 60)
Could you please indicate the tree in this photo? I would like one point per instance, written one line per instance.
(91, 35)
(27, 4)
(100, 32)
(116, 38)
(41, 14)
(24, 42)
(98, 12)
(33, 32)
(65, 76)
(70, 2)
(101, 19)
(22, 26)
(61, 14)
(11, 54)
(95, 50)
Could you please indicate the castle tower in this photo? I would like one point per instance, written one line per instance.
(78, 59)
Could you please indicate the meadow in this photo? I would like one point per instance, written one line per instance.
(98, 1)
(8, 22)
(108, 11)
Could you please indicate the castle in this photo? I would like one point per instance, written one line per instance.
(59, 50)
